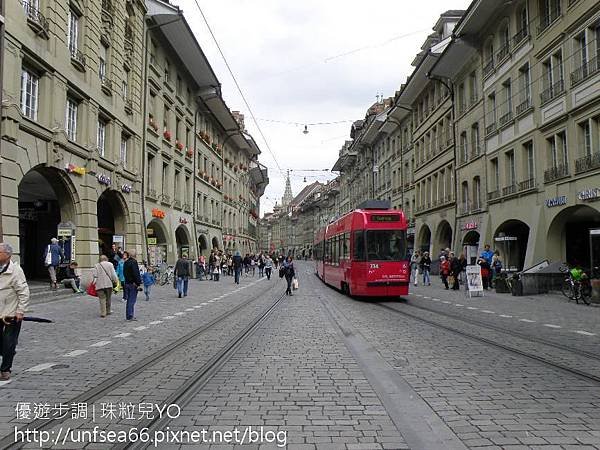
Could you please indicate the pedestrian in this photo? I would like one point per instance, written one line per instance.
(53, 256)
(444, 270)
(106, 279)
(261, 265)
(148, 280)
(246, 264)
(211, 263)
(496, 269)
(485, 272)
(289, 274)
(415, 260)
(183, 270)
(463, 273)
(14, 300)
(237, 266)
(217, 268)
(425, 267)
(487, 254)
(71, 278)
(268, 266)
(455, 270)
(131, 273)
(120, 274)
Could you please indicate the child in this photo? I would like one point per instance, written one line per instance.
(148, 281)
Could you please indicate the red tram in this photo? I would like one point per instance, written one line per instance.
(364, 252)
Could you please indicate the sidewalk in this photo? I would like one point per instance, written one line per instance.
(549, 316)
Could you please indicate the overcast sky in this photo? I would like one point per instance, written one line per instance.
(307, 62)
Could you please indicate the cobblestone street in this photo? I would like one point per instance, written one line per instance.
(316, 370)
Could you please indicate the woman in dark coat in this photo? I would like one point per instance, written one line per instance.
(455, 270)
(289, 273)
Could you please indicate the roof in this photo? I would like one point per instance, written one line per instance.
(305, 193)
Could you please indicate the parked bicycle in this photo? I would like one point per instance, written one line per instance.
(576, 286)
(166, 276)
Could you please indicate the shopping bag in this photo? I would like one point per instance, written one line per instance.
(281, 272)
(451, 279)
(91, 289)
(295, 284)
(117, 287)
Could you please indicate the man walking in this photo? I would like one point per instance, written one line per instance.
(14, 299)
(268, 266)
(52, 258)
(182, 274)
(237, 266)
(131, 273)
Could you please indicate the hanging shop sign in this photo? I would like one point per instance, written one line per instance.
(589, 194)
(72, 168)
(103, 179)
(469, 226)
(158, 213)
(126, 188)
(150, 231)
(505, 238)
(152, 241)
(556, 201)
(183, 220)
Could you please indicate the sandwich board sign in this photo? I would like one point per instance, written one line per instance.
(474, 281)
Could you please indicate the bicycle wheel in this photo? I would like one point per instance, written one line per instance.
(164, 278)
(567, 289)
(586, 294)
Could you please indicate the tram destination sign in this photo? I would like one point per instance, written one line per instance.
(385, 218)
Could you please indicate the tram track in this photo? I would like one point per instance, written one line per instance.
(582, 374)
(206, 371)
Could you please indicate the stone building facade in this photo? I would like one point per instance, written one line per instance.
(102, 145)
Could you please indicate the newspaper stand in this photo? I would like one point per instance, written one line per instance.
(474, 281)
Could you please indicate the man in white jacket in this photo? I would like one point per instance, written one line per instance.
(14, 299)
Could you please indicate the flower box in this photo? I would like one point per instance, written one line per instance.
(189, 153)
(179, 145)
(167, 135)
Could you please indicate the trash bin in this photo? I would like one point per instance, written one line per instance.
(517, 286)
(501, 284)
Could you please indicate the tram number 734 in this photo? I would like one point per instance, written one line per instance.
(364, 253)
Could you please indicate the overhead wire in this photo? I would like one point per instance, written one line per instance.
(238, 86)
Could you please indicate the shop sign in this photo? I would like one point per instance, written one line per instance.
(183, 220)
(556, 201)
(589, 194)
(72, 168)
(469, 226)
(150, 231)
(127, 188)
(505, 238)
(158, 213)
(151, 241)
(103, 179)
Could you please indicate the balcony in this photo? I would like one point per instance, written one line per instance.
(553, 91)
(462, 108)
(503, 52)
(548, 18)
(475, 152)
(106, 84)
(128, 42)
(77, 59)
(588, 162)
(586, 70)
(509, 190)
(128, 106)
(107, 13)
(488, 68)
(527, 185)
(165, 198)
(493, 195)
(524, 106)
(520, 36)
(556, 172)
(505, 119)
(36, 20)
(490, 129)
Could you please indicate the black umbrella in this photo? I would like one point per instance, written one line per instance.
(9, 320)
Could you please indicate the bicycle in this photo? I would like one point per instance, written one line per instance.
(577, 285)
(167, 276)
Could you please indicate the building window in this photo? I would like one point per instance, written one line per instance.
(529, 160)
(71, 119)
(585, 131)
(165, 118)
(29, 94)
(123, 150)
(474, 92)
(524, 88)
(176, 187)
(125, 85)
(465, 197)
(103, 58)
(510, 168)
(475, 139)
(507, 88)
(165, 177)
(495, 174)
(101, 137)
(464, 148)
(476, 193)
(150, 175)
(167, 71)
(73, 32)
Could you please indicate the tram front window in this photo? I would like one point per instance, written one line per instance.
(386, 245)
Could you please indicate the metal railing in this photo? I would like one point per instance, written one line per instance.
(106, 83)
(493, 195)
(505, 118)
(508, 190)
(165, 198)
(556, 172)
(503, 52)
(553, 91)
(488, 68)
(587, 69)
(490, 128)
(523, 106)
(588, 162)
(527, 184)
(77, 56)
(34, 15)
(520, 35)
